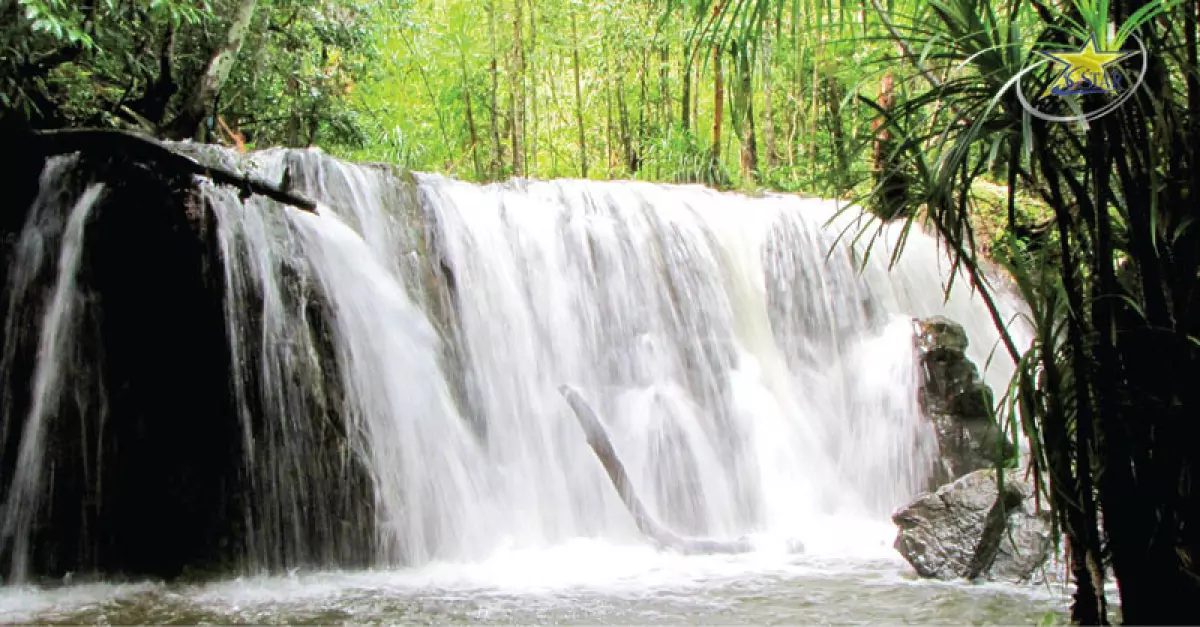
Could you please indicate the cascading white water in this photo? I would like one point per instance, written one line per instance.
(753, 381)
(423, 459)
(397, 357)
(50, 247)
(391, 397)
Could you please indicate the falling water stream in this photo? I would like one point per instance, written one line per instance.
(754, 381)
(52, 224)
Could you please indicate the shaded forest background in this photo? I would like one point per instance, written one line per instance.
(479, 89)
(907, 106)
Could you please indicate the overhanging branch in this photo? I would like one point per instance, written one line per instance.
(153, 150)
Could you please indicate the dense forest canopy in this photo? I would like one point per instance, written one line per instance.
(909, 106)
(290, 66)
(480, 90)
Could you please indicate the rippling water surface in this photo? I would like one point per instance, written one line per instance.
(582, 582)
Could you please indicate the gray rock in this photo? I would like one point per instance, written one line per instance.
(957, 401)
(965, 530)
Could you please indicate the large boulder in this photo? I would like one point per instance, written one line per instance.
(957, 401)
(971, 529)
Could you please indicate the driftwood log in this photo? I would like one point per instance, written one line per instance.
(601, 445)
(151, 150)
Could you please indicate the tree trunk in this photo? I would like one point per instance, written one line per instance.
(797, 99)
(814, 104)
(314, 119)
(685, 99)
(533, 101)
(291, 132)
(199, 104)
(626, 131)
(718, 94)
(718, 104)
(583, 164)
(889, 177)
(833, 97)
(644, 111)
(664, 87)
(1089, 601)
(769, 108)
(473, 132)
(608, 112)
(517, 95)
(493, 67)
(314, 123)
(744, 107)
(152, 106)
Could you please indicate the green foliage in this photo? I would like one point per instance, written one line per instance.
(300, 68)
(1108, 262)
(393, 80)
(638, 61)
(131, 64)
(62, 59)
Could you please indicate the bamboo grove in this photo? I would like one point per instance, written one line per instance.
(906, 106)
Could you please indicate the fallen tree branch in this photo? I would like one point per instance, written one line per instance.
(152, 150)
(598, 439)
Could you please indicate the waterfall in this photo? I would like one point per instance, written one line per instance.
(753, 379)
(396, 359)
(54, 223)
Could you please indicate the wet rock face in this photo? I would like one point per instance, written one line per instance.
(957, 401)
(968, 529)
(143, 454)
(147, 466)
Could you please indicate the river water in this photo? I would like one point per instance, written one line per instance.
(578, 582)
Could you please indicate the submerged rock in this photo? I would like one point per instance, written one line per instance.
(957, 401)
(968, 529)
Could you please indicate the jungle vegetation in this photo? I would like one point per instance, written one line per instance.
(907, 106)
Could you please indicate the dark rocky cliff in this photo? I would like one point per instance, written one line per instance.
(144, 471)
